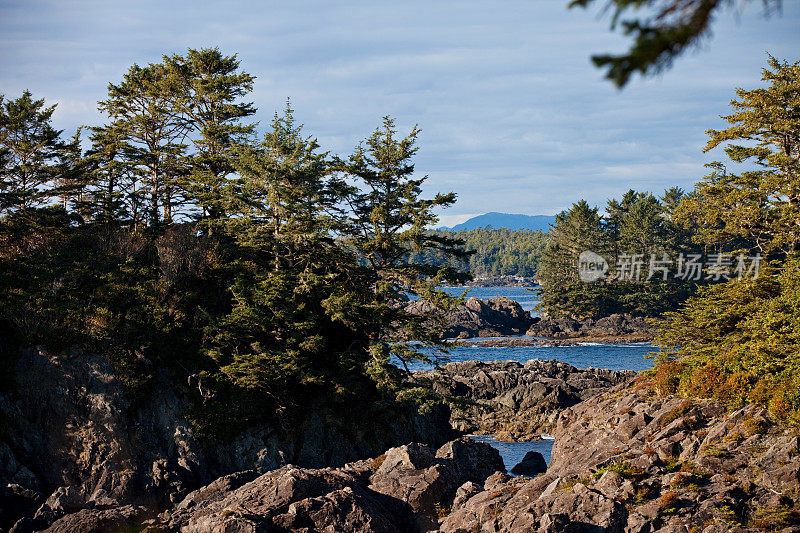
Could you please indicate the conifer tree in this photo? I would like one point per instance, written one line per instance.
(153, 133)
(209, 88)
(387, 222)
(576, 230)
(30, 149)
(759, 208)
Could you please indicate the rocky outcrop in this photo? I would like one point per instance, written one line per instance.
(626, 460)
(618, 327)
(71, 440)
(477, 318)
(516, 401)
(405, 489)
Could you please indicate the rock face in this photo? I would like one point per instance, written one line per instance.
(626, 460)
(622, 327)
(478, 318)
(75, 442)
(405, 489)
(517, 401)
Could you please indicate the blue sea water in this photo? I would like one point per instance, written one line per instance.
(627, 356)
(624, 356)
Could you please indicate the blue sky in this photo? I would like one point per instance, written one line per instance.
(514, 117)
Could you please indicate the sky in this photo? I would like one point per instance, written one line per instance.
(514, 116)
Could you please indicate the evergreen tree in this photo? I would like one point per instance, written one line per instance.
(755, 209)
(284, 187)
(113, 197)
(387, 223)
(153, 134)
(562, 292)
(209, 86)
(30, 151)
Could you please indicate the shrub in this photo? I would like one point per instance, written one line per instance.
(668, 377)
(669, 502)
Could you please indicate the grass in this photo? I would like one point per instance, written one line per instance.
(775, 519)
(755, 426)
(713, 450)
(624, 469)
(676, 412)
(672, 464)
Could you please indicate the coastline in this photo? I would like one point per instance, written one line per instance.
(521, 342)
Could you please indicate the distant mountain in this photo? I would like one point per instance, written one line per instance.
(508, 221)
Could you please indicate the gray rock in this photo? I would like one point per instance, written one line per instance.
(486, 318)
(519, 401)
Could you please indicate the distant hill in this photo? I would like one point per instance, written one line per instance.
(508, 221)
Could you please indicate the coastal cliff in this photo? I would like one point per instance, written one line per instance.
(72, 438)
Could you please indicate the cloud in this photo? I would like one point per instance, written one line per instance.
(514, 117)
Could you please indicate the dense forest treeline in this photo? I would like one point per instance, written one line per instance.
(260, 269)
(493, 252)
(636, 234)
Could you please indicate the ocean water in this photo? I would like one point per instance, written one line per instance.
(513, 452)
(624, 356)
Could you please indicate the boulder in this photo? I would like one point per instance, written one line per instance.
(531, 465)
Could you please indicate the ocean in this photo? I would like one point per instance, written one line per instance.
(623, 356)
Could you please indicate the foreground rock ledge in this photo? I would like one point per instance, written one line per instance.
(407, 489)
(627, 461)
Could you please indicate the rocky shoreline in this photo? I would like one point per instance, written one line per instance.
(503, 317)
(629, 461)
(515, 401)
(624, 460)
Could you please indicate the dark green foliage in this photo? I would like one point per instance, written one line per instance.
(30, 152)
(639, 223)
(262, 277)
(668, 29)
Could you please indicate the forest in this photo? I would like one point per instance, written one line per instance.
(492, 252)
(637, 226)
(260, 269)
